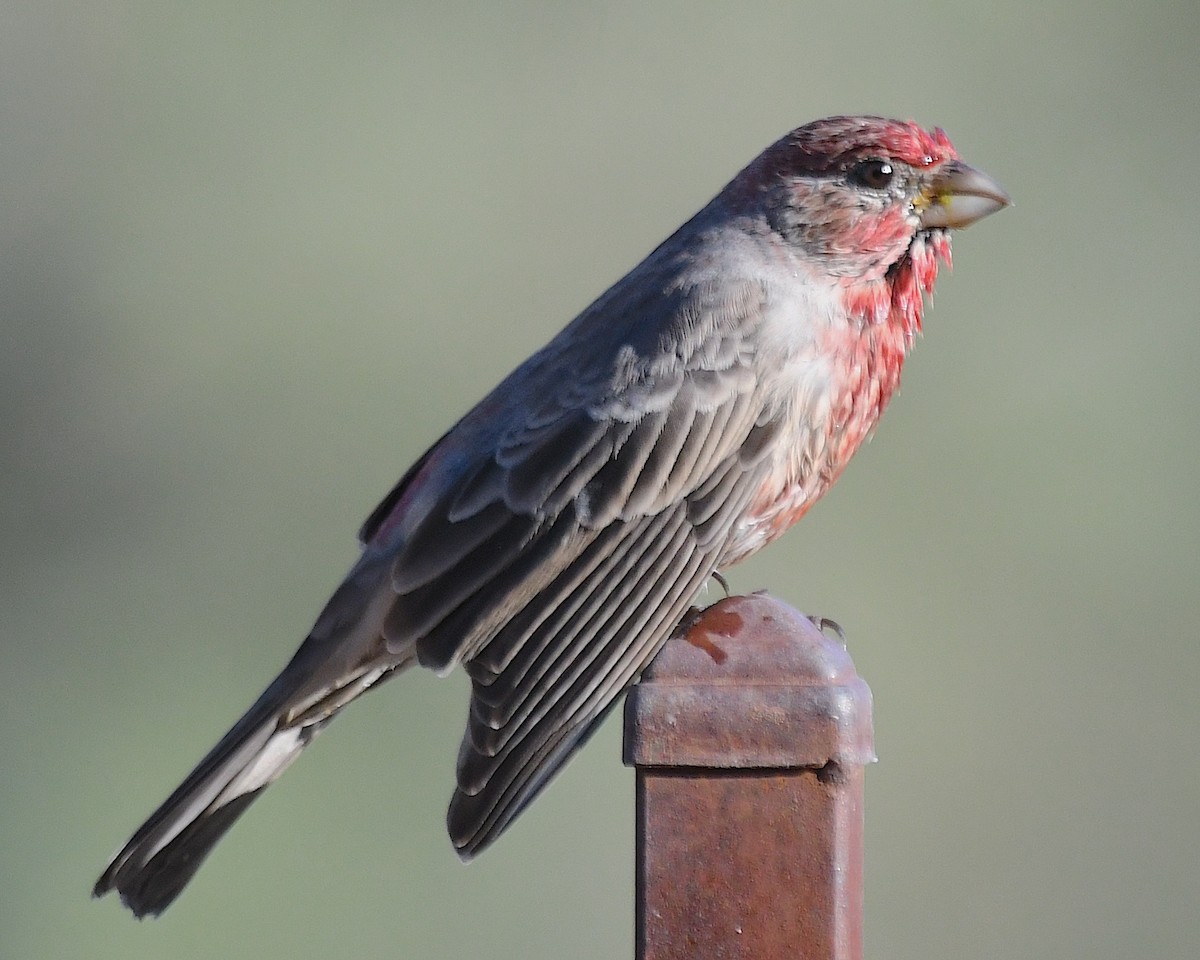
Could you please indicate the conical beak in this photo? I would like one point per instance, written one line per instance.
(958, 195)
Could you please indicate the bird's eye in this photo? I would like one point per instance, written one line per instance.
(876, 174)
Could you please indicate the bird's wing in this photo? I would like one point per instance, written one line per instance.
(557, 564)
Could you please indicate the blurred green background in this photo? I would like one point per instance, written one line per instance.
(255, 257)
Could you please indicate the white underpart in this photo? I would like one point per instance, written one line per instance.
(280, 752)
(266, 763)
(803, 310)
(799, 322)
(206, 797)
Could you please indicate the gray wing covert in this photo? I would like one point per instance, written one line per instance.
(559, 565)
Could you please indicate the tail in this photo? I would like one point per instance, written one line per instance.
(160, 858)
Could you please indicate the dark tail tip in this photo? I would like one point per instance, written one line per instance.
(148, 887)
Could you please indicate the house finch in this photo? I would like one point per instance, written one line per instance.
(553, 537)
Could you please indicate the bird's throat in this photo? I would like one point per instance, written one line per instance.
(885, 318)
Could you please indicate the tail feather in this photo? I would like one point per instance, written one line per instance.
(161, 857)
(148, 887)
(344, 656)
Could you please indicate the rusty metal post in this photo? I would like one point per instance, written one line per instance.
(750, 734)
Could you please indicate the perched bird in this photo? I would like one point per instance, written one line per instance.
(554, 536)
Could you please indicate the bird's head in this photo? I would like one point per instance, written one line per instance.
(869, 203)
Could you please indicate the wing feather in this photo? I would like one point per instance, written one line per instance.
(550, 695)
(455, 615)
(514, 739)
(533, 640)
(535, 470)
(474, 819)
(522, 686)
(603, 498)
(651, 486)
(567, 545)
(518, 650)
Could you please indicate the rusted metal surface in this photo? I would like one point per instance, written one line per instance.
(749, 734)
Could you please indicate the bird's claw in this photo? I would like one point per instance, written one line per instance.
(824, 623)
